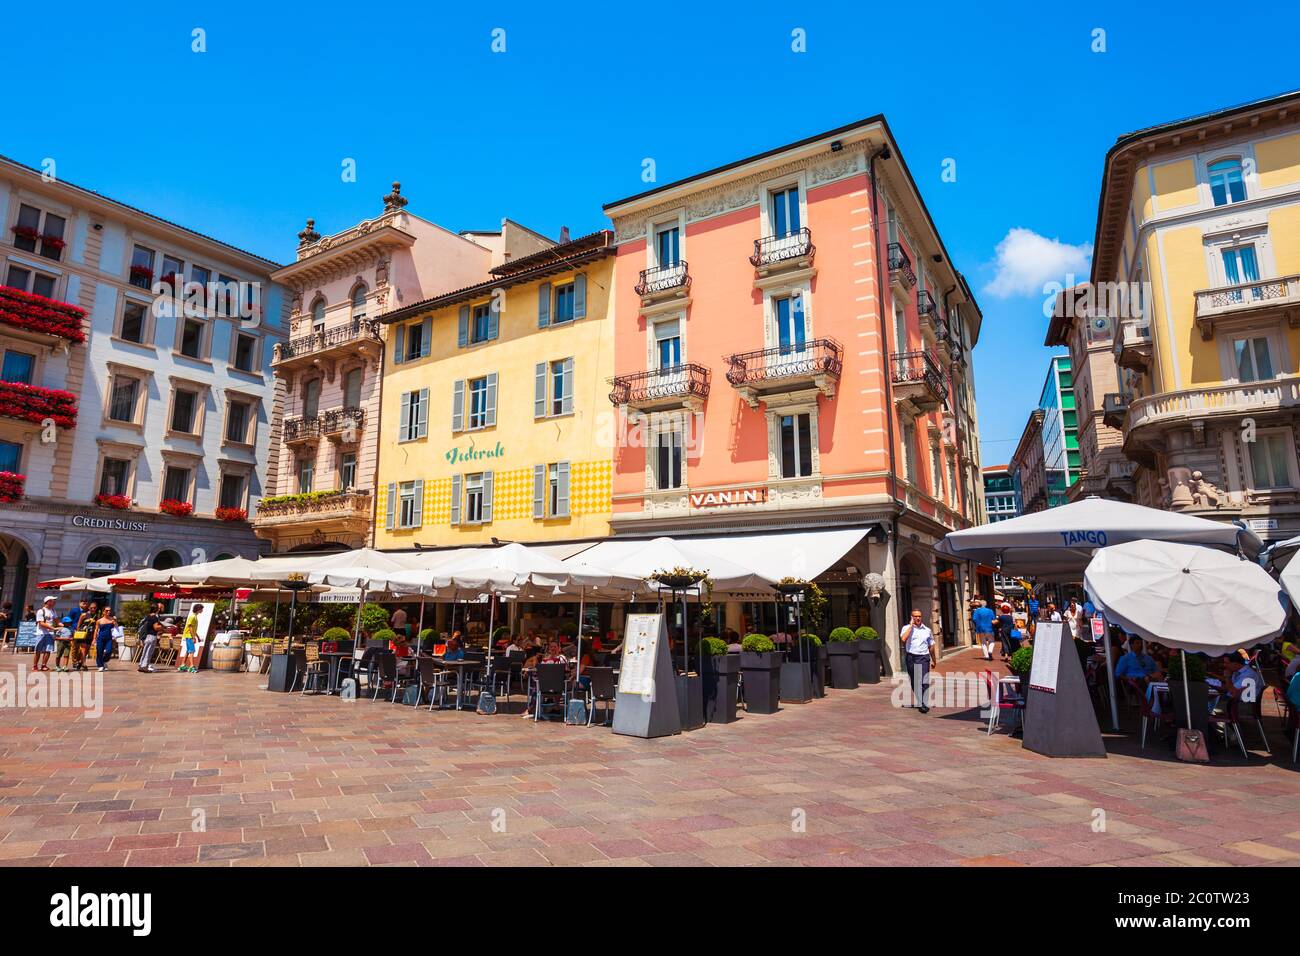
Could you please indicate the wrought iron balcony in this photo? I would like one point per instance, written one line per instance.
(918, 383)
(925, 305)
(677, 386)
(783, 369)
(302, 428)
(315, 343)
(338, 421)
(900, 266)
(773, 252)
(314, 507)
(1114, 409)
(663, 280)
(1282, 293)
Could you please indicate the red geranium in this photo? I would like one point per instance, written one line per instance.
(120, 502)
(24, 310)
(26, 232)
(54, 242)
(142, 272)
(31, 403)
(231, 514)
(11, 486)
(176, 508)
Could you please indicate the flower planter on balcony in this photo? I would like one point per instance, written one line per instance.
(12, 486)
(31, 403)
(231, 514)
(116, 502)
(175, 508)
(35, 313)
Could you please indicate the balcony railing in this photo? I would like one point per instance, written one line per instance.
(661, 386)
(925, 305)
(339, 420)
(900, 265)
(658, 280)
(917, 379)
(1242, 398)
(302, 429)
(1244, 297)
(1133, 344)
(35, 313)
(314, 342)
(31, 403)
(820, 357)
(314, 506)
(1114, 409)
(772, 251)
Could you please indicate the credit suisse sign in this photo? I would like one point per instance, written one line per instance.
(718, 499)
(108, 524)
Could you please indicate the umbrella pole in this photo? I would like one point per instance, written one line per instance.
(492, 612)
(276, 616)
(1110, 679)
(582, 598)
(419, 628)
(1187, 694)
(356, 633)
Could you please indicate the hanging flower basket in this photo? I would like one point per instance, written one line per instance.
(176, 508)
(791, 586)
(12, 486)
(231, 514)
(678, 579)
(116, 502)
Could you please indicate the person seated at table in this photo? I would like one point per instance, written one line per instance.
(553, 655)
(400, 646)
(515, 646)
(455, 648)
(1245, 682)
(1137, 667)
(733, 641)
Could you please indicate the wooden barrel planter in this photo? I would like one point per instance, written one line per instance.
(228, 657)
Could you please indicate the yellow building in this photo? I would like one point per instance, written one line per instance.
(493, 407)
(1197, 263)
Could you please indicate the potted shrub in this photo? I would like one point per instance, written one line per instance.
(868, 655)
(382, 637)
(1020, 663)
(1193, 688)
(426, 638)
(843, 650)
(721, 672)
(760, 663)
(332, 637)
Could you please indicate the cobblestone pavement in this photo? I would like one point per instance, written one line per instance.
(210, 769)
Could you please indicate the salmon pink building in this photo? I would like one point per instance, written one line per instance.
(792, 354)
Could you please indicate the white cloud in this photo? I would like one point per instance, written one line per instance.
(1027, 261)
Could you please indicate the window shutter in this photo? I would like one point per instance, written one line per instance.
(455, 499)
(426, 337)
(566, 400)
(562, 504)
(417, 519)
(580, 296)
(539, 491)
(399, 343)
(543, 305)
(462, 329)
(492, 398)
(494, 319)
(458, 405)
(404, 419)
(422, 414)
(391, 509)
(487, 497)
(539, 391)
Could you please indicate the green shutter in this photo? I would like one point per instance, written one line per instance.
(417, 519)
(399, 343)
(462, 328)
(458, 405)
(566, 400)
(422, 414)
(426, 337)
(492, 398)
(543, 305)
(539, 391)
(404, 418)
(494, 319)
(562, 478)
(391, 510)
(539, 491)
(455, 499)
(580, 296)
(487, 497)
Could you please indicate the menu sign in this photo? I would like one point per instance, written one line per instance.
(1047, 656)
(640, 654)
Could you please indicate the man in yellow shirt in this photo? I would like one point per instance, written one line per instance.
(190, 635)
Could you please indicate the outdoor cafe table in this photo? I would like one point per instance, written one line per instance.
(335, 660)
(460, 667)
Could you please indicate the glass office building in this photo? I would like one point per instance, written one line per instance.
(1060, 430)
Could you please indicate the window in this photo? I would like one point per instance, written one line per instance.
(668, 343)
(409, 510)
(413, 415)
(790, 325)
(352, 388)
(11, 457)
(318, 316)
(474, 499)
(562, 387)
(239, 416)
(39, 232)
(185, 406)
(347, 470)
(359, 302)
(192, 338)
(173, 269)
(936, 471)
(785, 211)
(477, 403)
(668, 460)
(564, 302)
(471, 497)
(306, 473)
(141, 272)
(481, 326)
(29, 280)
(133, 321)
(1270, 454)
(908, 434)
(245, 350)
(310, 398)
(796, 446)
(176, 483)
(18, 367)
(1254, 363)
(668, 246)
(123, 399)
(202, 276)
(231, 494)
(551, 490)
(900, 329)
(1226, 182)
(114, 476)
(415, 345)
(1240, 265)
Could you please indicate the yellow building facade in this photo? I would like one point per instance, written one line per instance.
(495, 406)
(1199, 226)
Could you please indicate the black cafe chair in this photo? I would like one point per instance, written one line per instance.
(383, 671)
(602, 690)
(553, 685)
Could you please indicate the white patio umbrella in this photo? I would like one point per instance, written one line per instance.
(1186, 597)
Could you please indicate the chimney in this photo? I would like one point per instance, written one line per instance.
(564, 234)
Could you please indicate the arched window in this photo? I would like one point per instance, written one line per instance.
(318, 315)
(359, 301)
(223, 556)
(166, 559)
(102, 560)
(1227, 185)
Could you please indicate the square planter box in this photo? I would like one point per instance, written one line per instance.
(762, 673)
(690, 701)
(868, 662)
(844, 664)
(796, 682)
(721, 678)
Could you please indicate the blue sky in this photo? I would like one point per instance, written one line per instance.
(247, 139)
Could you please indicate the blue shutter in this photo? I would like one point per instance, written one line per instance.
(391, 510)
(562, 504)
(491, 418)
(455, 499)
(539, 391)
(580, 296)
(494, 319)
(543, 305)
(422, 414)
(539, 491)
(426, 337)
(566, 400)
(458, 405)
(399, 343)
(487, 497)
(404, 418)
(417, 519)
(462, 329)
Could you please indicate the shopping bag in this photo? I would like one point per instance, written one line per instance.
(487, 702)
(576, 713)
(1191, 746)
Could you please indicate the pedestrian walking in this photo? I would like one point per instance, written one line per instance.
(190, 635)
(982, 618)
(150, 628)
(104, 626)
(918, 646)
(46, 620)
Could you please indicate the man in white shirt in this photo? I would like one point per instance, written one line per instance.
(46, 622)
(1074, 617)
(919, 653)
(1053, 614)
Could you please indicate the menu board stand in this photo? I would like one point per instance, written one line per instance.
(645, 704)
(1059, 719)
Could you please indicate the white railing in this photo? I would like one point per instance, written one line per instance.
(1214, 400)
(1247, 295)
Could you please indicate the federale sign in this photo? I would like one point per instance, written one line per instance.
(717, 499)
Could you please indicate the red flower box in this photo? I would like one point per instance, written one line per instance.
(26, 232)
(23, 310)
(31, 403)
(142, 272)
(176, 508)
(54, 242)
(11, 486)
(231, 514)
(119, 502)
